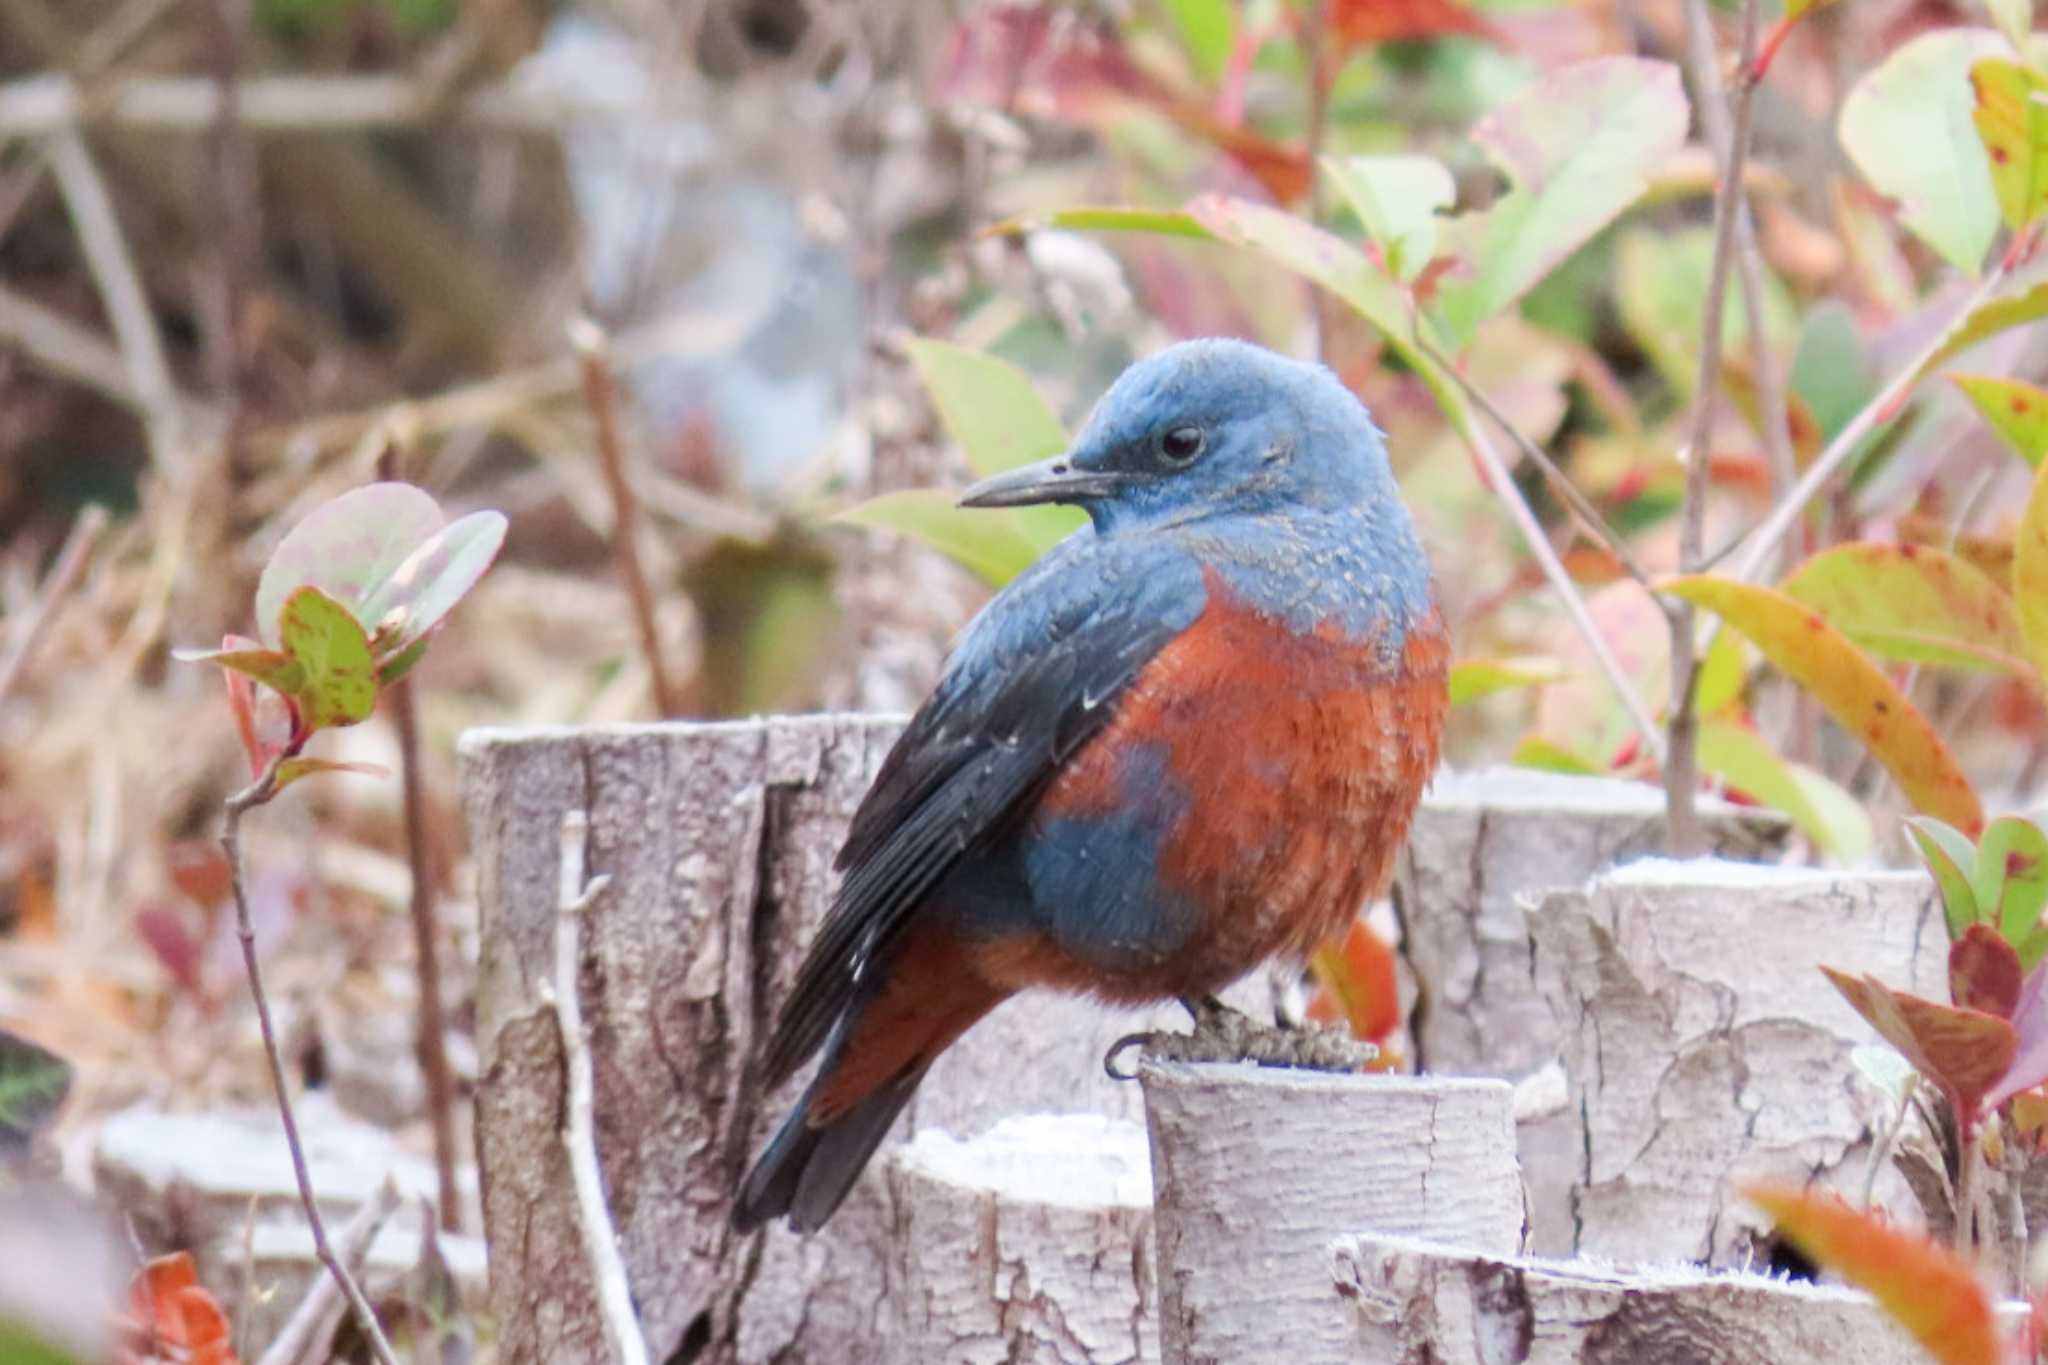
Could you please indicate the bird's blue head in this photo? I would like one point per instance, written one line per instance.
(1206, 428)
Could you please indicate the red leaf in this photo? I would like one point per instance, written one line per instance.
(166, 933)
(1359, 22)
(1984, 972)
(176, 1313)
(1356, 982)
(199, 868)
(1966, 1052)
(1927, 1288)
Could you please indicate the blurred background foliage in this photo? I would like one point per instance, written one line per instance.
(250, 247)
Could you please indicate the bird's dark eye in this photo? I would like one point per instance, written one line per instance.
(1180, 445)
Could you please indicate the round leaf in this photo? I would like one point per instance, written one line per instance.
(347, 547)
(1802, 645)
(340, 687)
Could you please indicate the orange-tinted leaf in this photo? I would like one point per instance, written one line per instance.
(1802, 645)
(199, 868)
(1965, 1052)
(2029, 1115)
(1359, 22)
(1357, 975)
(2014, 126)
(1984, 972)
(178, 1313)
(1284, 170)
(1989, 555)
(1913, 603)
(2030, 572)
(2015, 409)
(1928, 1288)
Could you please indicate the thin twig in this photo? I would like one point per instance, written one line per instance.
(120, 287)
(1968, 1141)
(71, 560)
(1560, 482)
(1686, 835)
(241, 803)
(64, 347)
(1561, 580)
(307, 1333)
(601, 393)
(579, 1135)
(1886, 1141)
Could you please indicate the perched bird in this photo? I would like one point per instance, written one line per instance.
(1188, 739)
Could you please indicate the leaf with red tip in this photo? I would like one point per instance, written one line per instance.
(1357, 974)
(2010, 879)
(1803, 646)
(1984, 972)
(1965, 1052)
(328, 644)
(1926, 1287)
(2013, 124)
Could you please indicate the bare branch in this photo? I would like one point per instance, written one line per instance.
(579, 1136)
(71, 558)
(309, 1331)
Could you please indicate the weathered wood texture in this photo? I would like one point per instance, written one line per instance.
(719, 841)
(1418, 1302)
(1481, 840)
(1703, 1047)
(1256, 1170)
(1031, 1243)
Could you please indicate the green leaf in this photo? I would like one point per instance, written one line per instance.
(1207, 31)
(430, 581)
(1660, 290)
(2030, 572)
(2014, 128)
(2015, 409)
(1397, 200)
(347, 547)
(1803, 646)
(1475, 678)
(1738, 755)
(2010, 879)
(1908, 126)
(272, 667)
(1830, 369)
(1986, 321)
(292, 769)
(1549, 756)
(1914, 603)
(328, 642)
(1722, 673)
(988, 405)
(995, 545)
(1158, 222)
(1949, 856)
(1577, 147)
(33, 1083)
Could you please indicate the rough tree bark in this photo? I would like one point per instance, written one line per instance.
(719, 841)
(1481, 840)
(1704, 1049)
(1424, 1303)
(1032, 1243)
(1256, 1170)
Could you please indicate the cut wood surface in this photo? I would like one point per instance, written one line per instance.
(1415, 1302)
(1703, 1047)
(1030, 1243)
(1255, 1170)
(719, 840)
(1481, 840)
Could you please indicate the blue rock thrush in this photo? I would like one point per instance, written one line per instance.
(1189, 739)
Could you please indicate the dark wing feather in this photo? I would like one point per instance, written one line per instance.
(1035, 676)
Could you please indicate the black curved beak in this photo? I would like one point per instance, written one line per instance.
(1053, 480)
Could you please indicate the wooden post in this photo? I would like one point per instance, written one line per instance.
(1414, 1300)
(1255, 1170)
(1031, 1243)
(1482, 840)
(1703, 1046)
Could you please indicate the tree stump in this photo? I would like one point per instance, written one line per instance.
(1704, 1048)
(1417, 1301)
(1480, 841)
(1032, 1243)
(1255, 1170)
(718, 839)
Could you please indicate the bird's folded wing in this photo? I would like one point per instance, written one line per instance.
(1035, 675)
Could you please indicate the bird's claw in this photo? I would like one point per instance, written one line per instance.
(1222, 1034)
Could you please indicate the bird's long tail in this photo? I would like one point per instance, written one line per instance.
(876, 1057)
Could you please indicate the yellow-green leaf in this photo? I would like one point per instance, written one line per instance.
(1985, 321)
(1474, 678)
(340, 686)
(1397, 200)
(996, 545)
(1930, 1290)
(1548, 755)
(2030, 572)
(1110, 218)
(292, 769)
(2014, 127)
(1722, 674)
(1799, 641)
(1915, 603)
(1738, 755)
(989, 406)
(1950, 857)
(2015, 409)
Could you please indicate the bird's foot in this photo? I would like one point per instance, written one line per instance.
(1222, 1034)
